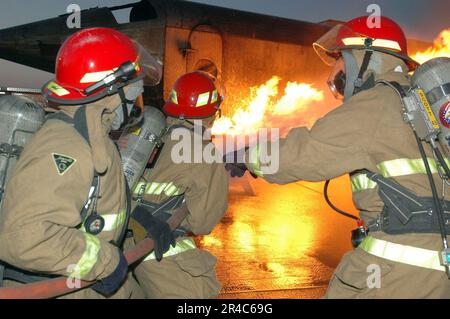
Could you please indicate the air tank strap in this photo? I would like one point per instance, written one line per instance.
(79, 121)
(438, 93)
(397, 87)
(403, 212)
(366, 61)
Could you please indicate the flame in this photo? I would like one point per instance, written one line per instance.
(264, 109)
(301, 103)
(441, 48)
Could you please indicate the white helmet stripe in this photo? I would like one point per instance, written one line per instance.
(95, 77)
(381, 43)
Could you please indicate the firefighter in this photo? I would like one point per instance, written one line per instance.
(185, 271)
(65, 209)
(368, 132)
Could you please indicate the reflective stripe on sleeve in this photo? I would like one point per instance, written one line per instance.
(114, 221)
(361, 182)
(89, 257)
(394, 168)
(169, 189)
(183, 245)
(255, 165)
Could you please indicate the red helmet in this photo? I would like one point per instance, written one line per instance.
(92, 55)
(359, 33)
(195, 96)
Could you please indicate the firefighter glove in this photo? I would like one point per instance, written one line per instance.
(235, 162)
(156, 229)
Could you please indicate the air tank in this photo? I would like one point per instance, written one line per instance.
(434, 78)
(20, 118)
(138, 143)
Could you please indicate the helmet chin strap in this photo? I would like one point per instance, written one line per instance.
(355, 75)
(125, 112)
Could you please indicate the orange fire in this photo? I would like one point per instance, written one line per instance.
(301, 103)
(441, 48)
(265, 109)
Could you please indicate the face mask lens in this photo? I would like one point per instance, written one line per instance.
(339, 83)
(137, 112)
(337, 80)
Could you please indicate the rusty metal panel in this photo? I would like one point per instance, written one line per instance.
(174, 59)
(183, 14)
(246, 63)
(205, 44)
(252, 62)
(184, 50)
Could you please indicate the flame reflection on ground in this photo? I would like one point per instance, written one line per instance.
(283, 242)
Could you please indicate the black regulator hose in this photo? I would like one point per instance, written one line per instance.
(327, 199)
(437, 205)
(442, 161)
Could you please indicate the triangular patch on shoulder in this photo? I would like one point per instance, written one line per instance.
(63, 163)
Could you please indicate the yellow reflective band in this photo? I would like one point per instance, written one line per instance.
(255, 165)
(156, 188)
(361, 182)
(215, 96)
(394, 168)
(88, 259)
(382, 43)
(114, 221)
(169, 189)
(183, 245)
(403, 254)
(403, 167)
(203, 99)
(57, 89)
(140, 188)
(174, 97)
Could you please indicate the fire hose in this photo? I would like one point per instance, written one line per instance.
(58, 286)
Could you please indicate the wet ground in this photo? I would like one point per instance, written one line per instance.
(280, 241)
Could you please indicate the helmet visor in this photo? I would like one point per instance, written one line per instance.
(328, 46)
(148, 65)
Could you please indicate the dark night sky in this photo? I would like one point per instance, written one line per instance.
(421, 19)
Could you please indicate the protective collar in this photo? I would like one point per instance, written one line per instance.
(99, 117)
